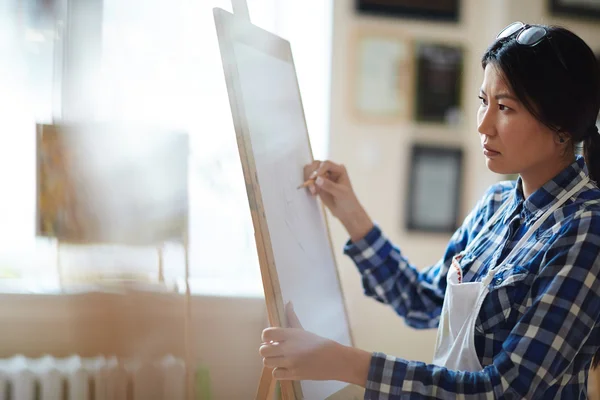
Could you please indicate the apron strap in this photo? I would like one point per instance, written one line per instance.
(560, 201)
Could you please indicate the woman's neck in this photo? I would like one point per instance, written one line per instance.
(537, 176)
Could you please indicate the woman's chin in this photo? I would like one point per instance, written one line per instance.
(497, 167)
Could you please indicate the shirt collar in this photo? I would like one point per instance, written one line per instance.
(544, 197)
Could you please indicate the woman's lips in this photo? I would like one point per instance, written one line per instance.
(488, 152)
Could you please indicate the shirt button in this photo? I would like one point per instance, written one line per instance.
(498, 280)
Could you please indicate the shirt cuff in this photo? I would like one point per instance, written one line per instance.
(386, 376)
(370, 251)
(356, 248)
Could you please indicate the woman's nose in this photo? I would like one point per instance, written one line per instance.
(485, 123)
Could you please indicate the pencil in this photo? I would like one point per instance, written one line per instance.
(311, 181)
(308, 182)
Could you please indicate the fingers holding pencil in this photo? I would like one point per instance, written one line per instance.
(311, 172)
(330, 181)
(332, 172)
(310, 177)
(307, 183)
(327, 168)
(310, 169)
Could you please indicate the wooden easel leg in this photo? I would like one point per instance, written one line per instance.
(161, 267)
(61, 278)
(272, 389)
(188, 334)
(266, 386)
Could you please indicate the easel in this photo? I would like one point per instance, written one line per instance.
(266, 386)
(235, 29)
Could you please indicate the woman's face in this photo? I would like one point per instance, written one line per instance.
(512, 139)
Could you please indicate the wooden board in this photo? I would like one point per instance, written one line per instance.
(293, 243)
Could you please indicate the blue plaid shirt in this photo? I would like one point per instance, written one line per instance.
(538, 327)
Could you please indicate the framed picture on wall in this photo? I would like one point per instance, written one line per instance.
(381, 76)
(434, 192)
(577, 8)
(439, 70)
(445, 10)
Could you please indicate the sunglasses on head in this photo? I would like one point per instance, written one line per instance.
(529, 36)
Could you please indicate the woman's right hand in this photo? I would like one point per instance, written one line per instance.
(332, 185)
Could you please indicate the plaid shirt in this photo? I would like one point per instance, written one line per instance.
(538, 328)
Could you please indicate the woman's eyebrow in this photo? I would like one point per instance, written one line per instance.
(500, 96)
(505, 96)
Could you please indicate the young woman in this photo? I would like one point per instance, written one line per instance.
(516, 295)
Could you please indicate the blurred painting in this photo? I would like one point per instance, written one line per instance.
(446, 10)
(111, 184)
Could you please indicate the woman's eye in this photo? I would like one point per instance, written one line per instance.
(502, 107)
(483, 101)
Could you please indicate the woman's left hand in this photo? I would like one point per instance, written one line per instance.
(296, 354)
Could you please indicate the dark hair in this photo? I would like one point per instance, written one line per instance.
(558, 81)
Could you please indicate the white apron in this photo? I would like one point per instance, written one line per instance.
(455, 344)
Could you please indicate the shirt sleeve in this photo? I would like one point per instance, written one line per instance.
(539, 349)
(389, 278)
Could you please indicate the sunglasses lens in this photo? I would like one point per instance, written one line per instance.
(531, 36)
(510, 30)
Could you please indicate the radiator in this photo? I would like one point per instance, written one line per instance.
(99, 378)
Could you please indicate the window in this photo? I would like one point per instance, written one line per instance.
(144, 61)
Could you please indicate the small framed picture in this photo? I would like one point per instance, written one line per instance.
(576, 8)
(381, 71)
(435, 186)
(439, 78)
(441, 10)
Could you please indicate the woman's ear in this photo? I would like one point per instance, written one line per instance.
(561, 137)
